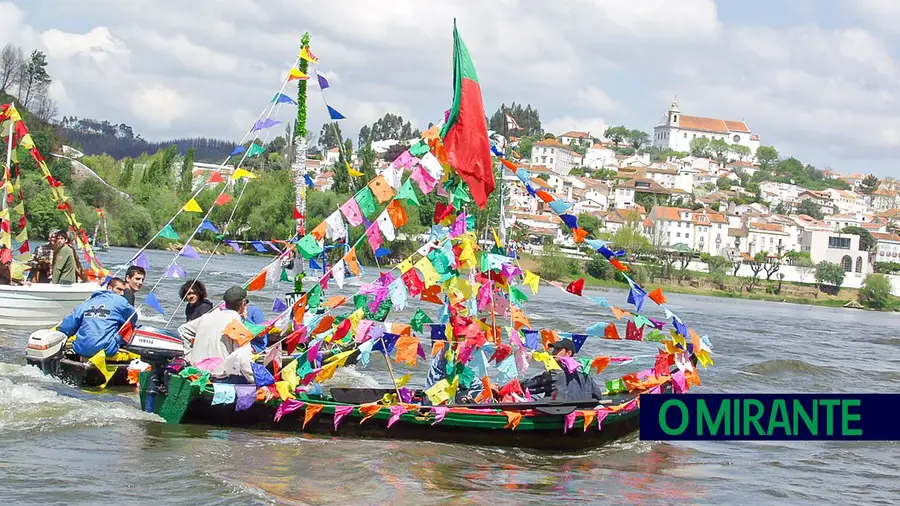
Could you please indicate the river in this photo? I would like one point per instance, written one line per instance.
(62, 445)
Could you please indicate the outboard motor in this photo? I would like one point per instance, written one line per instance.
(45, 349)
(157, 347)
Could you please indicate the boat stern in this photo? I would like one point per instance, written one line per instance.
(44, 349)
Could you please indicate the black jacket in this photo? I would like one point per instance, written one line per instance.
(561, 385)
(194, 311)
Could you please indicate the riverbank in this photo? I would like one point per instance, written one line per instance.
(794, 293)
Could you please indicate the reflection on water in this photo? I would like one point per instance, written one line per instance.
(131, 457)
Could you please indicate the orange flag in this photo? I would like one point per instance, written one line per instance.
(518, 318)
(319, 231)
(369, 410)
(336, 301)
(548, 336)
(437, 347)
(610, 332)
(487, 393)
(430, 294)
(407, 348)
(579, 234)
(258, 283)
(618, 313)
(589, 416)
(311, 411)
(238, 332)
(695, 339)
(618, 265)
(514, 418)
(397, 213)
(223, 199)
(600, 363)
(509, 165)
(546, 197)
(657, 296)
(299, 311)
(352, 262)
(382, 190)
(324, 325)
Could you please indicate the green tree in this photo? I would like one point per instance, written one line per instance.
(367, 158)
(524, 147)
(590, 223)
(866, 240)
(34, 77)
(810, 208)
(723, 183)
(717, 266)
(876, 292)
(638, 139)
(869, 184)
(553, 265)
(127, 174)
(719, 148)
(829, 275)
(700, 147)
(600, 268)
(617, 134)
(187, 174)
(767, 157)
(527, 118)
(300, 124)
(548, 135)
(741, 152)
(330, 136)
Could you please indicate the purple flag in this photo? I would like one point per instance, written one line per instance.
(234, 246)
(278, 306)
(246, 396)
(458, 227)
(323, 83)
(174, 271)
(189, 252)
(264, 123)
(141, 261)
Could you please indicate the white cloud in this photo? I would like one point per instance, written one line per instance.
(558, 126)
(158, 106)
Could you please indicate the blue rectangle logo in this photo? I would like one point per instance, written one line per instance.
(775, 417)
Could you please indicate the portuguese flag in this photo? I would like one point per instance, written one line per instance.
(465, 131)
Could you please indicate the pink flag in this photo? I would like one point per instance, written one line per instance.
(352, 212)
(339, 413)
(396, 412)
(362, 330)
(569, 421)
(287, 407)
(484, 296)
(423, 179)
(601, 415)
(313, 352)
(374, 236)
(458, 227)
(439, 413)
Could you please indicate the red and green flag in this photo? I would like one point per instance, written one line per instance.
(465, 131)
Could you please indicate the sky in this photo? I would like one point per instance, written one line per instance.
(818, 80)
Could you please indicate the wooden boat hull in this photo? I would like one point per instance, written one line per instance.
(40, 304)
(484, 427)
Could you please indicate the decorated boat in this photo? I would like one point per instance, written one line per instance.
(481, 341)
(23, 304)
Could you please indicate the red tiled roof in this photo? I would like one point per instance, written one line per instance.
(576, 135)
(714, 125)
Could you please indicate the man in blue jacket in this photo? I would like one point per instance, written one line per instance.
(97, 322)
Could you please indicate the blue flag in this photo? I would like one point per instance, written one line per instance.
(334, 114)
(278, 306)
(260, 247)
(238, 150)
(140, 261)
(532, 339)
(380, 252)
(570, 220)
(153, 302)
(323, 83)
(314, 265)
(207, 225)
(281, 98)
(578, 340)
(308, 180)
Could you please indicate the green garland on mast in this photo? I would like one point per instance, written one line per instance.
(300, 126)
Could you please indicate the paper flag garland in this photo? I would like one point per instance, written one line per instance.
(333, 114)
(168, 233)
(153, 302)
(141, 261)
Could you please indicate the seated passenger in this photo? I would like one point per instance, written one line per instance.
(98, 323)
(194, 294)
(134, 280)
(205, 338)
(64, 267)
(560, 384)
(438, 371)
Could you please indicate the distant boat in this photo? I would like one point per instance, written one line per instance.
(40, 304)
(101, 228)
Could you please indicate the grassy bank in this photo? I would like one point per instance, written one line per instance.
(795, 293)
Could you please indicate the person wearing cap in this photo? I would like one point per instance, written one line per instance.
(560, 384)
(205, 339)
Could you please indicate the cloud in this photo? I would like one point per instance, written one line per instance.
(826, 95)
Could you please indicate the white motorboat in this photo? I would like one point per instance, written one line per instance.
(40, 304)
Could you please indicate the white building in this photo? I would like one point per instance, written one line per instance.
(742, 166)
(676, 131)
(841, 249)
(581, 138)
(882, 199)
(624, 195)
(553, 155)
(599, 156)
(710, 232)
(768, 237)
(869, 222)
(846, 201)
(887, 247)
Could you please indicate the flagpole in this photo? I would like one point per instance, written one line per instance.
(502, 173)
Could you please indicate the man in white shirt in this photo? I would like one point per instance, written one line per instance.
(206, 338)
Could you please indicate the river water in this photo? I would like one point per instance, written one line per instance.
(62, 445)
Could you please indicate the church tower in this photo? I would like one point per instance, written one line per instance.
(674, 113)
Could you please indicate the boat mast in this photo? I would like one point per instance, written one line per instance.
(300, 149)
(502, 173)
(6, 169)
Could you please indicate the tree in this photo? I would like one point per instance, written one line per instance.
(524, 147)
(740, 151)
(757, 263)
(590, 223)
(548, 135)
(700, 147)
(767, 157)
(869, 184)
(187, 174)
(876, 292)
(393, 152)
(127, 174)
(11, 62)
(866, 241)
(638, 138)
(617, 134)
(330, 136)
(830, 275)
(716, 266)
(367, 159)
(723, 183)
(719, 147)
(810, 208)
(365, 135)
(33, 77)
(527, 118)
(771, 265)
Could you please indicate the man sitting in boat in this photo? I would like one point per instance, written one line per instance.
(98, 322)
(193, 292)
(438, 371)
(40, 262)
(63, 259)
(134, 280)
(560, 384)
(207, 341)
